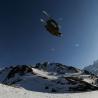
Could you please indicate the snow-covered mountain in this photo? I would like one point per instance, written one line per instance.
(57, 68)
(48, 77)
(93, 68)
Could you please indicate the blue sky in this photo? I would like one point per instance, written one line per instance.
(24, 40)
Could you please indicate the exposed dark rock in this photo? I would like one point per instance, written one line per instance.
(46, 87)
(53, 90)
(21, 70)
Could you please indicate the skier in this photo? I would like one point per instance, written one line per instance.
(51, 25)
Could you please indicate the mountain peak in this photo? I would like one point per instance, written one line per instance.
(93, 68)
(57, 67)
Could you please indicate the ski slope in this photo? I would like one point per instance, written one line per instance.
(11, 92)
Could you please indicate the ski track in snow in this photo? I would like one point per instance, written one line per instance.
(11, 92)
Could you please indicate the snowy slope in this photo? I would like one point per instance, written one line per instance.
(11, 92)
